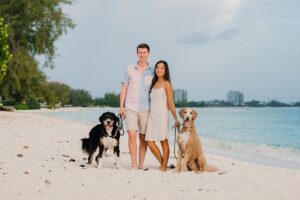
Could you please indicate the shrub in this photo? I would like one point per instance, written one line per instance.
(9, 102)
(21, 107)
(33, 104)
(30, 105)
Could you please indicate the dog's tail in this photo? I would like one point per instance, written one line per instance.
(85, 144)
(211, 168)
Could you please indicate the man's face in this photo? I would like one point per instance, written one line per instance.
(142, 54)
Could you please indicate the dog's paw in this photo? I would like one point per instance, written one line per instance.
(99, 166)
(176, 170)
(118, 166)
(183, 169)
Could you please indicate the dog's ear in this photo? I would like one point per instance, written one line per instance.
(195, 114)
(101, 118)
(181, 112)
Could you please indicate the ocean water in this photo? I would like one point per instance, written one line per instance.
(268, 136)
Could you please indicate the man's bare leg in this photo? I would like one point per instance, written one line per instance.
(142, 151)
(132, 135)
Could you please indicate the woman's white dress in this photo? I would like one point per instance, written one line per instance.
(158, 121)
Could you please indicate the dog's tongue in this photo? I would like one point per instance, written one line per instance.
(108, 129)
(187, 124)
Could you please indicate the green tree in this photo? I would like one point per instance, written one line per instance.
(33, 28)
(99, 101)
(50, 98)
(4, 52)
(253, 103)
(275, 103)
(23, 80)
(112, 99)
(35, 25)
(297, 104)
(60, 91)
(80, 97)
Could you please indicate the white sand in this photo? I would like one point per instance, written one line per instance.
(44, 171)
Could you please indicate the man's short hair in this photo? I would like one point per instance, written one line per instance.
(143, 46)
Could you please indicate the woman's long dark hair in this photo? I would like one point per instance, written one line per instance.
(166, 76)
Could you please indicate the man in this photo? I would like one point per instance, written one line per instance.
(134, 102)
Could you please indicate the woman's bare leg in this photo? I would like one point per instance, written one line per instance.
(166, 153)
(155, 150)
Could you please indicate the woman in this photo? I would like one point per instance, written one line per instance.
(161, 94)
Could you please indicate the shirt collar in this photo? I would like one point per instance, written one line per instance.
(147, 68)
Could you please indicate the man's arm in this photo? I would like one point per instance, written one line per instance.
(122, 98)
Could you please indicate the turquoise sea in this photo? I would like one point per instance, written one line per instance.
(268, 136)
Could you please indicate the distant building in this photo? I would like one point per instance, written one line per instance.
(180, 96)
(235, 97)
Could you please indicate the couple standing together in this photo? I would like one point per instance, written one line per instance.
(145, 99)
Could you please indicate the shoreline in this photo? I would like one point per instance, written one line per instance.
(41, 158)
(253, 158)
(250, 157)
(245, 156)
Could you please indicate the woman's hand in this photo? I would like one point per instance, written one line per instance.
(177, 124)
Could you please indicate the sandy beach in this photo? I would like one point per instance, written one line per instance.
(41, 158)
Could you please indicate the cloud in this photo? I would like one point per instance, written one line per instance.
(287, 56)
(203, 13)
(195, 38)
(227, 35)
(265, 2)
(215, 12)
(200, 38)
(225, 11)
(271, 2)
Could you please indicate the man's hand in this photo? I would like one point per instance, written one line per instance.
(122, 112)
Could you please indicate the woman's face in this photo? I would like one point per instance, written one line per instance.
(160, 70)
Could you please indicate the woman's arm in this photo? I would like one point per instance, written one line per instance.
(169, 92)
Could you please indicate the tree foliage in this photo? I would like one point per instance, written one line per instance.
(4, 51)
(275, 103)
(57, 93)
(23, 79)
(33, 28)
(110, 99)
(253, 103)
(80, 97)
(35, 25)
(297, 104)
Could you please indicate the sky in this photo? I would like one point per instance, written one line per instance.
(211, 46)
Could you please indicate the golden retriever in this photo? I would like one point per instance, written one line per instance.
(190, 154)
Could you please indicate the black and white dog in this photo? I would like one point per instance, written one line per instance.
(106, 136)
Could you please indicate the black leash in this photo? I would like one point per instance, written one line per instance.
(120, 124)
